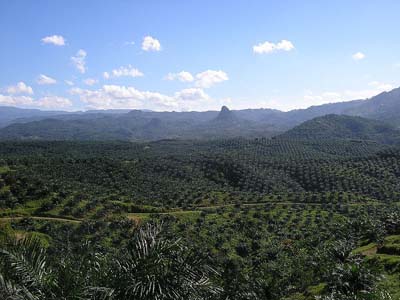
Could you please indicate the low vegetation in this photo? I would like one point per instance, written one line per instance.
(299, 219)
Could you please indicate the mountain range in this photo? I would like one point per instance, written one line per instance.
(18, 123)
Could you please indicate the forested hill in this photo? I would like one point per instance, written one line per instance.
(385, 107)
(137, 125)
(141, 126)
(345, 127)
(9, 115)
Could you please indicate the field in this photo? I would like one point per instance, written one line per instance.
(270, 215)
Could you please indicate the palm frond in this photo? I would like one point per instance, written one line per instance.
(157, 268)
(24, 262)
(9, 291)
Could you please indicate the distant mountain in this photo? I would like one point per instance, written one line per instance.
(226, 116)
(139, 125)
(152, 125)
(9, 114)
(229, 124)
(345, 127)
(385, 107)
(297, 116)
(55, 129)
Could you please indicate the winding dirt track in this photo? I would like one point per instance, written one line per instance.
(40, 218)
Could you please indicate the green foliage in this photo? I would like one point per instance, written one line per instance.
(157, 268)
(345, 127)
(151, 267)
(243, 219)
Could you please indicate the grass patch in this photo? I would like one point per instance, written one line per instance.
(367, 250)
(391, 245)
(390, 262)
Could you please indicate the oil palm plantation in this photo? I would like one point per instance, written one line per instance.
(151, 267)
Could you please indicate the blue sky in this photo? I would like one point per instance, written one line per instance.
(196, 55)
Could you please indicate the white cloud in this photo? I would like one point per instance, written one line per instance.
(44, 102)
(151, 44)
(19, 88)
(115, 96)
(69, 82)
(191, 94)
(128, 71)
(79, 61)
(195, 99)
(204, 79)
(269, 47)
(90, 81)
(56, 40)
(181, 76)
(15, 100)
(375, 88)
(53, 102)
(208, 78)
(44, 80)
(358, 56)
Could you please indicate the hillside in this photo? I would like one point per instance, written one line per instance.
(226, 116)
(385, 106)
(149, 125)
(139, 125)
(9, 115)
(284, 202)
(344, 127)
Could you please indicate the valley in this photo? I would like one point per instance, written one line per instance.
(235, 202)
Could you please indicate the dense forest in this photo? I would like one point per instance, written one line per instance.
(292, 217)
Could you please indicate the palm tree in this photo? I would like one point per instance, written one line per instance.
(8, 291)
(160, 269)
(25, 273)
(83, 276)
(380, 295)
(24, 270)
(151, 267)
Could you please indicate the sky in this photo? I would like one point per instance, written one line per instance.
(175, 55)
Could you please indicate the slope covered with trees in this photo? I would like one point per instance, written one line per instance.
(139, 125)
(224, 219)
(345, 127)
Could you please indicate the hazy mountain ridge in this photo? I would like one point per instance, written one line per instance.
(9, 114)
(385, 106)
(151, 125)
